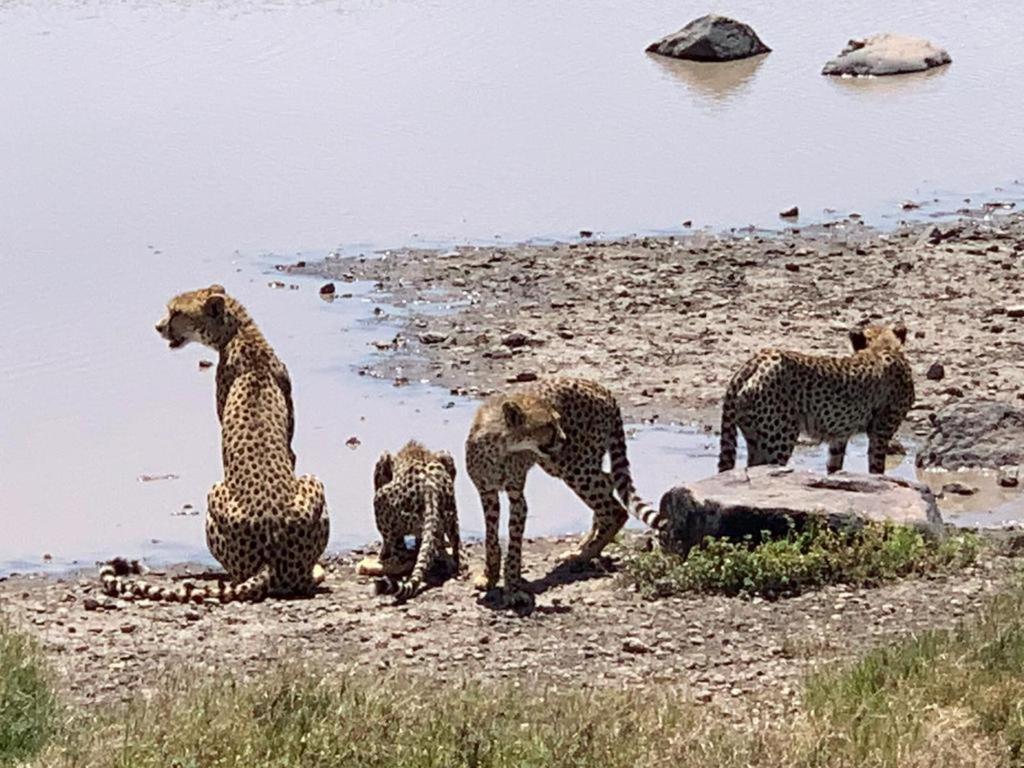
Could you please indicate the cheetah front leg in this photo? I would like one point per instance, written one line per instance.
(491, 504)
(516, 592)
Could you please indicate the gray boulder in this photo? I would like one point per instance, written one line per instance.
(886, 55)
(739, 502)
(711, 38)
(974, 433)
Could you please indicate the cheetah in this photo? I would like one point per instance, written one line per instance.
(566, 425)
(414, 495)
(264, 525)
(777, 395)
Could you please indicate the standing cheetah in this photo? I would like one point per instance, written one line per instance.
(566, 425)
(264, 525)
(777, 395)
(414, 495)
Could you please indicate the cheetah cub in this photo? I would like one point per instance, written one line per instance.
(264, 525)
(565, 425)
(414, 495)
(778, 395)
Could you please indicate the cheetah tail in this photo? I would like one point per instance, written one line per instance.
(253, 590)
(116, 581)
(623, 479)
(727, 446)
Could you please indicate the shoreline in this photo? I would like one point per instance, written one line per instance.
(669, 318)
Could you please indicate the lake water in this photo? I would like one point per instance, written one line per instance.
(151, 147)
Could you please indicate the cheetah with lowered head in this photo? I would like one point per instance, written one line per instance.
(264, 525)
(565, 425)
(414, 495)
(778, 395)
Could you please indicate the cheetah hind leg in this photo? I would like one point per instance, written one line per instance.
(609, 517)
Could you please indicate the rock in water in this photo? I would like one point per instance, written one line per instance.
(744, 502)
(711, 38)
(886, 55)
(974, 433)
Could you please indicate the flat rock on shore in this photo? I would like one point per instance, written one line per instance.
(747, 501)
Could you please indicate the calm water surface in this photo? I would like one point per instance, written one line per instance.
(151, 147)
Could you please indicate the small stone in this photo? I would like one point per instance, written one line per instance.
(790, 213)
(1008, 477)
(327, 289)
(1015, 312)
(586, 233)
(90, 604)
(635, 645)
(936, 372)
(523, 376)
(204, 364)
(128, 628)
(515, 340)
(432, 337)
(792, 267)
(959, 489)
(353, 442)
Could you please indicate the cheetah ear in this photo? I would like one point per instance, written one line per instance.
(216, 288)
(449, 463)
(901, 332)
(514, 415)
(858, 339)
(214, 306)
(383, 471)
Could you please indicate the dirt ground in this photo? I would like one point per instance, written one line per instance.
(747, 657)
(665, 321)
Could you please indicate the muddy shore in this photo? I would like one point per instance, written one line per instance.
(746, 657)
(666, 320)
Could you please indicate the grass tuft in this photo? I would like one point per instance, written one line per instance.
(774, 567)
(28, 708)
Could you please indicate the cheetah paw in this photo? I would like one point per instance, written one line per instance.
(517, 598)
(483, 583)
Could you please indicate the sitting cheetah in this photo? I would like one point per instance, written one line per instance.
(566, 425)
(414, 495)
(777, 395)
(264, 525)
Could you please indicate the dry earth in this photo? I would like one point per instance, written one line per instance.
(666, 320)
(747, 657)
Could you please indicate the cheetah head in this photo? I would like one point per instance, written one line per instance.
(200, 315)
(878, 337)
(532, 425)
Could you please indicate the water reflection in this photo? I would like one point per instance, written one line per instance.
(890, 84)
(713, 83)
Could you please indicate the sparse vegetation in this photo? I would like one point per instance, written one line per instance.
(28, 709)
(943, 698)
(799, 561)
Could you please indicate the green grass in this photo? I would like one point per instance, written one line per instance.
(798, 562)
(28, 708)
(955, 697)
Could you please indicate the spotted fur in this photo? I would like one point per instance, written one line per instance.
(778, 395)
(264, 525)
(566, 426)
(414, 495)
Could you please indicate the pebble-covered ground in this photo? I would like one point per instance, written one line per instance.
(748, 657)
